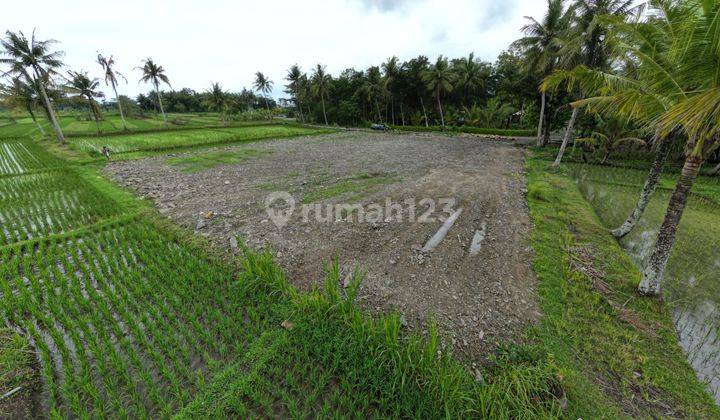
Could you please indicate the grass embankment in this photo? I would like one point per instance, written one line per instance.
(619, 351)
(467, 129)
(161, 141)
(694, 264)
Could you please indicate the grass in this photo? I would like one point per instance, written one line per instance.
(694, 264)
(206, 160)
(20, 157)
(16, 370)
(131, 316)
(355, 186)
(618, 351)
(187, 138)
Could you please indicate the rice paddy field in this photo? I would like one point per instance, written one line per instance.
(691, 283)
(72, 125)
(109, 311)
(188, 138)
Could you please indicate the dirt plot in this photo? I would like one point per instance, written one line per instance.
(477, 299)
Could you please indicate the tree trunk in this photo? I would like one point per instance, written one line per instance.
(442, 118)
(32, 115)
(392, 109)
(377, 106)
(653, 273)
(402, 114)
(162, 111)
(94, 112)
(540, 123)
(566, 137)
(299, 107)
(648, 189)
(422, 103)
(48, 106)
(605, 156)
(322, 100)
(122, 114)
(716, 170)
(267, 105)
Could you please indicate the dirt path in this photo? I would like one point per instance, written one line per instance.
(476, 299)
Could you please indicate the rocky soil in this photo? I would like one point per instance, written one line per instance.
(477, 299)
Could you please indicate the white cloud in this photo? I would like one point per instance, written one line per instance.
(228, 41)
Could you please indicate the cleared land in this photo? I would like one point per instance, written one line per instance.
(479, 299)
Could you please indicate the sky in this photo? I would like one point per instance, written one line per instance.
(225, 41)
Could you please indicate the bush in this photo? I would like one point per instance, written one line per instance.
(467, 129)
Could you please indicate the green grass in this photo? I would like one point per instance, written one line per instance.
(618, 351)
(694, 264)
(206, 160)
(354, 186)
(20, 157)
(187, 138)
(16, 367)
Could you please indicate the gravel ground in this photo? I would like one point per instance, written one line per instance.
(476, 299)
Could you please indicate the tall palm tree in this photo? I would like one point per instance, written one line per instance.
(647, 86)
(82, 85)
(155, 74)
(320, 84)
(588, 44)
(391, 70)
(416, 68)
(541, 45)
(439, 79)
(263, 85)
(19, 94)
(295, 77)
(216, 99)
(111, 75)
(470, 76)
(675, 90)
(36, 63)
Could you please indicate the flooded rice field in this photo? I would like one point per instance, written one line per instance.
(691, 280)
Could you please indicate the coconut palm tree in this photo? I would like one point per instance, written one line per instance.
(111, 75)
(155, 74)
(469, 75)
(294, 77)
(647, 86)
(416, 68)
(588, 43)
(320, 84)
(675, 90)
(36, 63)
(541, 45)
(19, 94)
(439, 79)
(391, 69)
(263, 85)
(609, 135)
(82, 85)
(216, 99)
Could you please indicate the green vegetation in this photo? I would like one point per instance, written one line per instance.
(467, 129)
(187, 138)
(205, 160)
(358, 185)
(617, 350)
(692, 271)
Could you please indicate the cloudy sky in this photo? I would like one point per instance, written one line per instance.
(229, 40)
